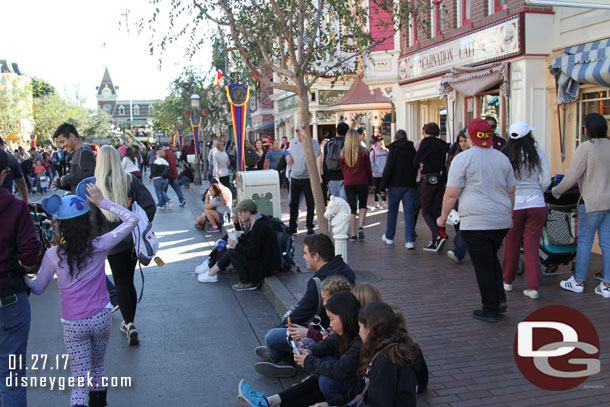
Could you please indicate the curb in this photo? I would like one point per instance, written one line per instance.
(278, 295)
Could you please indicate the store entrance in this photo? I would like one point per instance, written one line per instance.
(434, 110)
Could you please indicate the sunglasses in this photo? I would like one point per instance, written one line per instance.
(493, 126)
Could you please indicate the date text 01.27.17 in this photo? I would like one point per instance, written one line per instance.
(39, 362)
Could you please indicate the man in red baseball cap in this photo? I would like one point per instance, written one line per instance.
(483, 180)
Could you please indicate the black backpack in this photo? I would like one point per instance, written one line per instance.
(251, 158)
(285, 242)
(333, 153)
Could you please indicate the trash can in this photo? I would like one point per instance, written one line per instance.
(263, 187)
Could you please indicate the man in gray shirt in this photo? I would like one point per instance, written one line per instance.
(83, 161)
(299, 182)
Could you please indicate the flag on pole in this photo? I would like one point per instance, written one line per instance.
(219, 78)
(238, 96)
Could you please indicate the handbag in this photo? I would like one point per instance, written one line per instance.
(433, 178)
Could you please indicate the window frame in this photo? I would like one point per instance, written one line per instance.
(437, 9)
(463, 14)
(121, 110)
(498, 8)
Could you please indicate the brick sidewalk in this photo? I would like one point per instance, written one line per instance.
(471, 362)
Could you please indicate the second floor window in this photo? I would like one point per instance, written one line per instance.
(121, 110)
(500, 5)
(466, 11)
(438, 18)
(136, 110)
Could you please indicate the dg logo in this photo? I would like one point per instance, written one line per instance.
(557, 348)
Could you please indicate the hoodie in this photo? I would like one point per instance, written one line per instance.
(158, 167)
(399, 171)
(18, 243)
(308, 305)
(432, 153)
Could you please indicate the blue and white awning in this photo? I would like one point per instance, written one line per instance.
(587, 63)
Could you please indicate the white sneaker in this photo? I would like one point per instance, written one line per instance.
(571, 285)
(452, 256)
(533, 294)
(508, 287)
(386, 240)
(170, 203)
(602, 290)
(205, 278)
(377, 206)
(410, 245)
(202, 268)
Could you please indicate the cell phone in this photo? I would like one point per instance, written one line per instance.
(292, 343)
(454, 217)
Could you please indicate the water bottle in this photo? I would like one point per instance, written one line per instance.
(226, 218)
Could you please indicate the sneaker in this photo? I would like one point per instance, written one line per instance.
(440, 241)
(268, 369)
(410, 245)
(202, 268)
(161, 207)
(182, 204)
(198, 226)
(354, 238)
(571, 285)
(533, 294)
(169, 204)
(206, 278)
(386, 240)
(508, 287)
(123, 327)
(602, 290)
(599, 276)
(484, 316)
(431, 247)
(377, 206)
(452, 256)
(244, 286)
(263, 353)
(502, 306)
(131, 332)
(360, 233)
(247, 397)
(213, 229)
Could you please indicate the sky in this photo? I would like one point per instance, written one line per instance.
(68, 43)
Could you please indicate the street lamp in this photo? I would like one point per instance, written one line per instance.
(195, 121)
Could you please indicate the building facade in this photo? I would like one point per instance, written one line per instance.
(16, 104)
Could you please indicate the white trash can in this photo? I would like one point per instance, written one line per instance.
(263, 187)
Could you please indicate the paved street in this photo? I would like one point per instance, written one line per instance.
(197, 339)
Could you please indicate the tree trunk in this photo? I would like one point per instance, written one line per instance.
(310, 158)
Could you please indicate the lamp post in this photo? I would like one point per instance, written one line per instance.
(195, 122)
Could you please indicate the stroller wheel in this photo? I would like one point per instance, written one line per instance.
(521, 267)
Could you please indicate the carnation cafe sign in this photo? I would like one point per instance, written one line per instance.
(492, 43)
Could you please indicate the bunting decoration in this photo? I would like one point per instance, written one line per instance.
(219, 77)
(180, 136)
(238, 96)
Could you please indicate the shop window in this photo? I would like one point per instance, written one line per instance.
(500, 5)
(594, 101)
(414, 38)
(466, 11)
(470, 110)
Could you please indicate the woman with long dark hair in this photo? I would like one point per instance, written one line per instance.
(391, 363)
(130, 163)
(261, 153)
(533, 177)
(78, 261)
(124, 189)
(333, 363)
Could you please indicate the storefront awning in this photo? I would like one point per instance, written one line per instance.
(265, 127)
(587, 63)
(470, 81)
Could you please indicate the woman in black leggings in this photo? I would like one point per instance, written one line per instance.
(124, 189)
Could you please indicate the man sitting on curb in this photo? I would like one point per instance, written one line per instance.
(319, 254)
(254, 255)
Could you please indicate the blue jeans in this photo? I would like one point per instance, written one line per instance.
(184, 180)
(110, 287)
(279, 349)
(333, 387)
(588, 224)
(407, 195)
(459, 245)
(336, 189)
(160, 188)
(176, 187)
(14, 331)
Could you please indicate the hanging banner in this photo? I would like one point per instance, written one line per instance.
(195, 121)
(180, 136)
(238, 96)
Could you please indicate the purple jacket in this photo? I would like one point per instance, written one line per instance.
(18, 243)
(85, 294)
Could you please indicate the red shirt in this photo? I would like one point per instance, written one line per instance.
(39, 169)
(171, 159)
(359, 174)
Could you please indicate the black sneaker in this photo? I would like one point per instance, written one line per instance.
(599, 276)
(440, 241)
(310, 231)
(182, 204)
(131, 332)
(431, 247)
(360, 233)
(354, 238)
(268, 369)
(484, 316)
(291, 231)
(244, 286)
(502, 306)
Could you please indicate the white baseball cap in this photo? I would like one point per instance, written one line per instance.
(519, 129)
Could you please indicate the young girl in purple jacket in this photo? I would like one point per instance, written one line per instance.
(78, 261)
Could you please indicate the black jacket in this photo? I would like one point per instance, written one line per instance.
(308, 305)
(399, 171)
(391, 386)
(137, 192)
(82, 166)
(259, 245)
(432, 152)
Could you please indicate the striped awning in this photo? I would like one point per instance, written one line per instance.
(587, 63)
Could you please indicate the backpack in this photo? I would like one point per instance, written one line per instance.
(166, 173)
(145, 242)
(251, 158)
(333, 154)
(281, 165)
(285, 243)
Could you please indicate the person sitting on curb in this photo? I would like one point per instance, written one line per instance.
(218, 200)
(255, 254)
(319, 254)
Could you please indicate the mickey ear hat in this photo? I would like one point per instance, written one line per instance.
(81, 188)
(68, 207)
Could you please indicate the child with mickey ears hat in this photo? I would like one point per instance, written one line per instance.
(78, 260)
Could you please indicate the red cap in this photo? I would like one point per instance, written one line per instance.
(480, 133)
